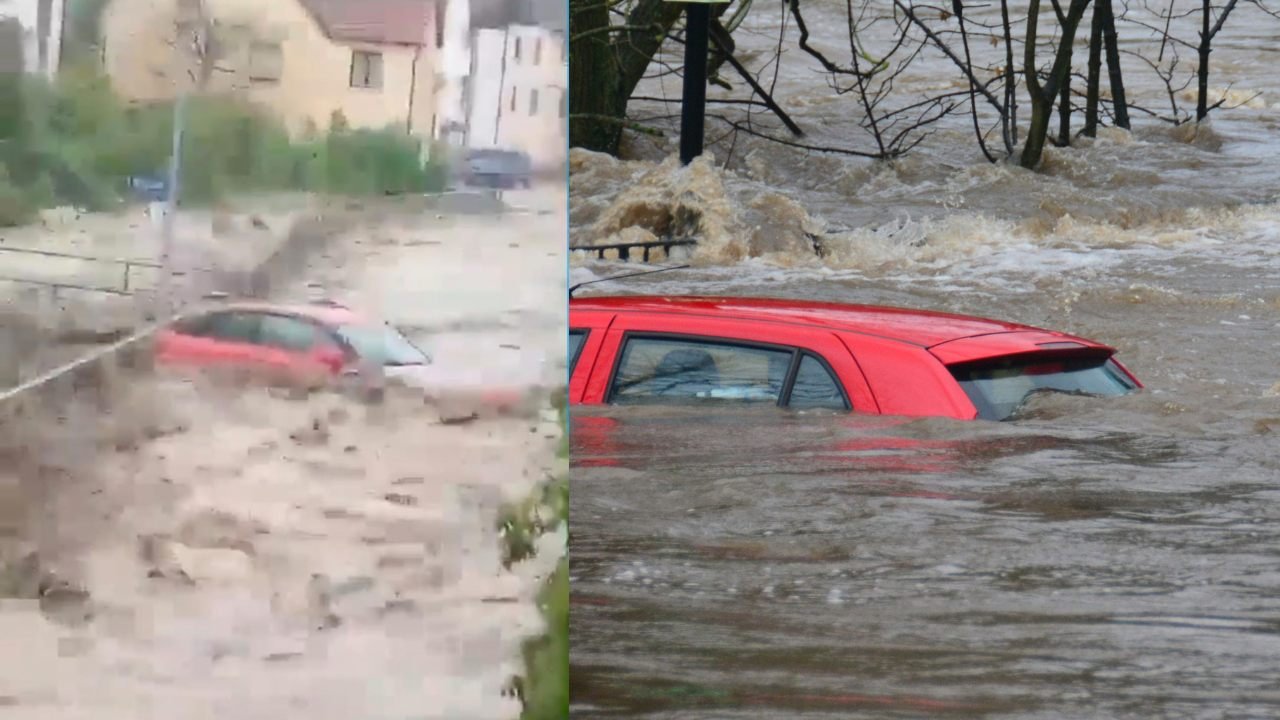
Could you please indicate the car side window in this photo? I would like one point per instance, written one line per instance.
(576, 340)
(814, 387)
(662, 370)
(286, 333)
(194, 326)
(231, 327)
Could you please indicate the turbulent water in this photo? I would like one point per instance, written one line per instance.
(1091, 558)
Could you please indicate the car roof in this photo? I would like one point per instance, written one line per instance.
(919, 327)
(325, 314)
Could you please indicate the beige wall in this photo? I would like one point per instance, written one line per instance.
(315, 77)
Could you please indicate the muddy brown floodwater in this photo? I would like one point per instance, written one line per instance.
(184, 549)
(1092, 558)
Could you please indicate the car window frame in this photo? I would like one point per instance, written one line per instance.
(785, 399)
(206, 321)
(788, 381)
(353, 353)
(586, 335)
(322, 332)
(193, 325)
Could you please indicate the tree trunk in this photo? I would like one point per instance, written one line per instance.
(1009, 119)
(595, 80)
(1202, 97)
(606, 65)
(1042, 96)
(1064, 104)
(1111, 45)
(636, 48)
(1095, 73)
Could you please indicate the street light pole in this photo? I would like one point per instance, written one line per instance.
(171, 205)
(697, 30)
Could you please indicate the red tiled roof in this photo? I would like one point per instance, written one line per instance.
(383, 22)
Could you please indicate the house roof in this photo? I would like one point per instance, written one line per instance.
(381, 22)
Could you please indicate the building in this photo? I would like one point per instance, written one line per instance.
(372, 61)
(506, 73)
(40, 29)
(517, 98)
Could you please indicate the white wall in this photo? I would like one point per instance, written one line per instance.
(484, 88)
(27, 13)
(454, 67)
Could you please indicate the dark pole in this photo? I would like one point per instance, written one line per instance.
(697, 28)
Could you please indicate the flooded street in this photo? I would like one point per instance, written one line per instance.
(178, 547)
(1111, 557)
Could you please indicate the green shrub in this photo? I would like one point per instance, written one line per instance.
(14, 208)
(366, 162)
(546, 683)
(544, 688)
(40, 194)
(80, 144)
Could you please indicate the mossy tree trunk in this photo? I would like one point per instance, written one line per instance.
(606, 62)
(1042, 96)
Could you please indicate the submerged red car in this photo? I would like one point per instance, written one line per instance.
(324, 338)
(807, 355)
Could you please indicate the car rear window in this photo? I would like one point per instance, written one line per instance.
(382, 345)
(998, 390)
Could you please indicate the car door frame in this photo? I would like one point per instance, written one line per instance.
(596, 323)
(222, 350)
(819, 342)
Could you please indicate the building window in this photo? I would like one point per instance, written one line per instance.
(537, 51)
(513, 99)
(266, 63)
(366, 70)
(516, 55)
(533, 102)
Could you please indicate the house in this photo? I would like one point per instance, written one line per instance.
(506, 74)
(373, 61)
(39, 26)
(517, 97)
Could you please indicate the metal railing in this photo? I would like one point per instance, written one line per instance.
(624, 249)
(65, 373)
(128, 265)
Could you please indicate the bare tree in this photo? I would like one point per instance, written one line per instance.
(618, 47)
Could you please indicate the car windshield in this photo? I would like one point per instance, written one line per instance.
(997, 391)
(382, 344)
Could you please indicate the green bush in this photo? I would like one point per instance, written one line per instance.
(367, 162)
(546, 682)
(79, 144)
(544, 689)
(14, 208)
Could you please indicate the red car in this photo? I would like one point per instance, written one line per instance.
(299, 340)
(807, 355)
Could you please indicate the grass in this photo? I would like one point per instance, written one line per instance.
(544, 689)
